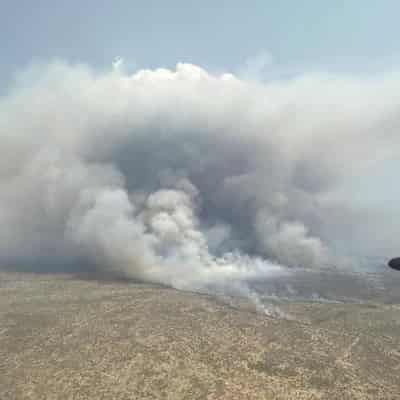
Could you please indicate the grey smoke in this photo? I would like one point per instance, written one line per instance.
(187, 178)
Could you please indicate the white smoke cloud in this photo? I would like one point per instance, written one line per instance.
(187, 178)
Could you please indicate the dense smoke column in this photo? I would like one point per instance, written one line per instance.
(187, 178)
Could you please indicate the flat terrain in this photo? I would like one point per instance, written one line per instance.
(68, 338)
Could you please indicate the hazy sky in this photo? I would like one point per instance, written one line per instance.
(352, 36)
(355, 35)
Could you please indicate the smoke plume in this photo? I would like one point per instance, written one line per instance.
(187, 178)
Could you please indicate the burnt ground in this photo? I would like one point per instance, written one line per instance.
(67, 338)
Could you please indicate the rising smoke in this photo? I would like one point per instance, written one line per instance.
(187, 178)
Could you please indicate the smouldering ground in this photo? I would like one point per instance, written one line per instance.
(66, 338)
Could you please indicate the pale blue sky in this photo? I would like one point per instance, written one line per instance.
(352, 36)
(346, 35)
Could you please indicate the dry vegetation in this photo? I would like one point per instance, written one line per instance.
(65, 338)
